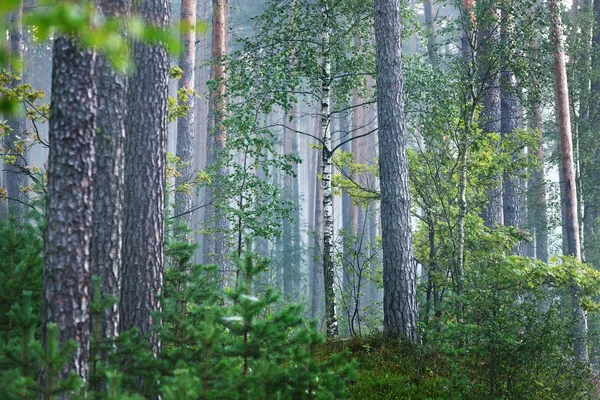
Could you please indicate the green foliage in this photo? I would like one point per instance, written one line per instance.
(247, 348)
(509, 334)
(22, 356)
(21, 264)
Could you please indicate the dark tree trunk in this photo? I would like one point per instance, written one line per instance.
(185, 124)
(540, 214)
(215, 241)
(69, 209)
(431, 31)
(511, 191)
(109, 180)
(145, 157)
(400, 314)
(14, 173)
(591, 168)
(490, 116)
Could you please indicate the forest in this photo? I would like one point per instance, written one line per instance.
(299, 199)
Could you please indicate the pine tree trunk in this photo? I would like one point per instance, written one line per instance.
(109, 179)
(540, 216)
(145, 158)
(215, 241)
(185, 124)
(431, 31)
(201, 131)
(69, 209)
(491, 116)
(571, 221)
(400, 313)
(511, 196)
(15, 178)
(592, 205)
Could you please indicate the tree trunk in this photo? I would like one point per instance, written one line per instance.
(69, 209)
(491, 112)
(326, 156)
(201, 130)
(185, 124)
(571, 221)
(145, 157)
(215, 241)
(511, 196)
(400, 313)
(540, 216)
(431, 31)
(109, 179)
(15, 178)
(592, 172)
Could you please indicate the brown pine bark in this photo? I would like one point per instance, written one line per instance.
(400, 313)
(145, 158)
(69, 209)
(201, 123)
(215, 240)
(109, 179)
(571, 221)
(185, 124)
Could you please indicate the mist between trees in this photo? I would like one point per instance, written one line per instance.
(299, 199)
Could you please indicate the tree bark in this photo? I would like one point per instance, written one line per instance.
(540, 216)
(592, 167)
(400, 313)
(201, 122)
(185, 124)
(145, 158)
(431, 31)
(326, 157)
(571, 221)
(215, 241)
(14, 174)
(491, 112)
(511, 196)
(109, 180)
(69, 208)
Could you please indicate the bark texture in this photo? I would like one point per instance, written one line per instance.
(571, 222)
(400, 314)
(69, 208)
(15, 178)
(215, 241)
(185, 124)
(326, 157)
(109, 180)
(143, 257)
